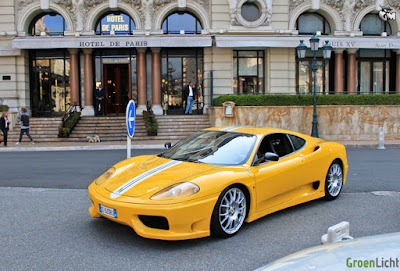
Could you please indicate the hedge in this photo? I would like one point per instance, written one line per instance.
(307, 99)
(3, 108)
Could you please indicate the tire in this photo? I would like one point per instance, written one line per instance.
(229, 212)
(334, 181)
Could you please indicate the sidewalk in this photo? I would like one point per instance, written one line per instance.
(76, 146)
(157, 144)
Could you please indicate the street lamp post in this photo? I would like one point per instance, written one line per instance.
(301, 54)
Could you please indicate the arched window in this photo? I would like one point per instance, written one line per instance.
(309, 23)
(117, 23)
(372, 25)
(178, 21)
(52, 24)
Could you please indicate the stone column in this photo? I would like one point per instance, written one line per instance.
(338, 71)
(74, 77)
(88, 110)
(141, 81)
(156, 81)
(351, 71)
(398, 72)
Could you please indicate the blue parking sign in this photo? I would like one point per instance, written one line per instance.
(130, 118)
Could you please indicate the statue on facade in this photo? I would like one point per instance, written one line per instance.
(347, 13)
(79, 9)
(147, 11)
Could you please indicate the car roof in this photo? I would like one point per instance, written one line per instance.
(256, 130)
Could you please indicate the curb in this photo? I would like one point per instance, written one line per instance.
(79, 148)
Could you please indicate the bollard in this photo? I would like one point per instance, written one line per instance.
(381, 136)
(337, 233)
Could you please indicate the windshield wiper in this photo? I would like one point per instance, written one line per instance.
(195, 161)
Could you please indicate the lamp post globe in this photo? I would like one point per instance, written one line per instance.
(327, 50)
(301, 50)
(314, 43)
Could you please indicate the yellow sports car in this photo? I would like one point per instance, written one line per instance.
(216, 179)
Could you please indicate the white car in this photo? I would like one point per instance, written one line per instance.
(378, 252)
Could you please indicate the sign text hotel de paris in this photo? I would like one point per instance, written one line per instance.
(126, 43)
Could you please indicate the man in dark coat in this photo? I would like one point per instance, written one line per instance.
(4, 126)
(189, 94)
(100, 94)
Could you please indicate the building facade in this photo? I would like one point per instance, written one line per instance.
(58, 52)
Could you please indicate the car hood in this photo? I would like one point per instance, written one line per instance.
(153, 174)
(338, 256)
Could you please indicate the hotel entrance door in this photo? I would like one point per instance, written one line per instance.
(116, 85)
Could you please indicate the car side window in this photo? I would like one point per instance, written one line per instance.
(297, 142)
(265, 146)
(280, 144)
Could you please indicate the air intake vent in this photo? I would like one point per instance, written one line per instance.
(155, 222)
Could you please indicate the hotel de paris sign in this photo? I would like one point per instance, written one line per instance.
(110, 42)
(195, 41)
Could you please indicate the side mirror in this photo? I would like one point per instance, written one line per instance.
(167, 145)
(270, 156)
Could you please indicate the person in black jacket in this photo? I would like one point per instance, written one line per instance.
(189, 94)
(24, 126)
(100, 94)
(4, 125)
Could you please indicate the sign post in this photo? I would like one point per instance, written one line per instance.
(130, 126)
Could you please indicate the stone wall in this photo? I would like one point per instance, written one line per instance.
(335, 122)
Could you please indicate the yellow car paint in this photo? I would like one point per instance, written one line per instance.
(271, 186)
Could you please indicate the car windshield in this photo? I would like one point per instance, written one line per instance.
(213, 147)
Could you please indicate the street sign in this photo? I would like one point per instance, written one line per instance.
(130, 118)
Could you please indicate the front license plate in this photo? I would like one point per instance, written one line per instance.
(108, 211)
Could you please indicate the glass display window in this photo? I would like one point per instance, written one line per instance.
(50, 86)
(248, 72)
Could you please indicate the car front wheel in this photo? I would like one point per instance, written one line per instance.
(334, 181)
(229, 212)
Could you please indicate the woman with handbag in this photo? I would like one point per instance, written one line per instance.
(4, 126)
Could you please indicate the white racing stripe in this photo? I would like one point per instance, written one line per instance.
(140, 178)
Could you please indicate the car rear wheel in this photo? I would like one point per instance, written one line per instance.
(334, 181)
(229, 212)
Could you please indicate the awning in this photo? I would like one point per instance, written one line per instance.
(292, 42)
(111, 42)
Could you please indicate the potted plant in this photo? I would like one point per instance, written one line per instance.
(150, 122)
(68, 124)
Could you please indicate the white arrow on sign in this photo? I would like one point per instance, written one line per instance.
(130, 119)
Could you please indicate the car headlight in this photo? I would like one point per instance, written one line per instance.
(175, 191)
(105, 176)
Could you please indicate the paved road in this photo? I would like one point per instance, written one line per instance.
(67, 169)
(370, 169)
(50, 229)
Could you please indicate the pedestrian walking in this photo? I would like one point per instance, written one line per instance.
(189, 94)
(4, 126)
(24, 126)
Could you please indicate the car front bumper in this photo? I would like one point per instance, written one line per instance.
(186, 220)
